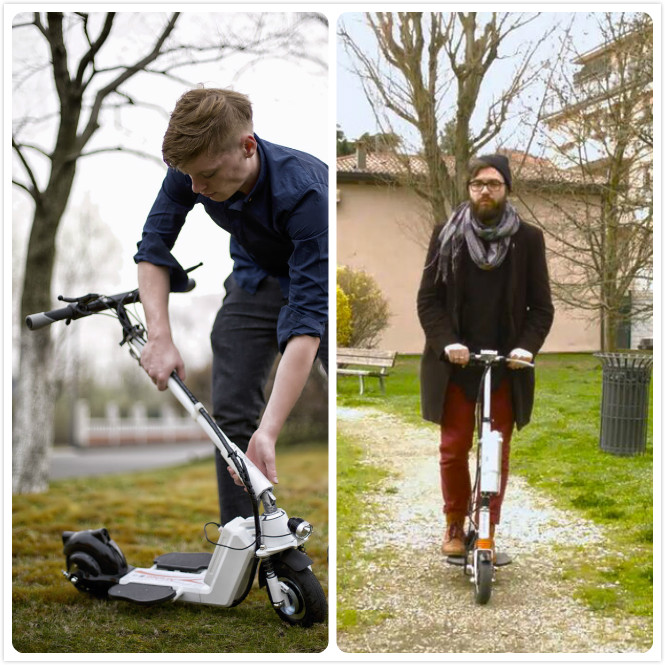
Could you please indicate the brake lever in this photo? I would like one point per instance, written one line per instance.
(83, 300)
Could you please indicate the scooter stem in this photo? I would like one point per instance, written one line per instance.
(259, 483)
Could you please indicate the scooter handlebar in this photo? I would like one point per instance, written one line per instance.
(43, 319)
(86, 306)
(492, 358)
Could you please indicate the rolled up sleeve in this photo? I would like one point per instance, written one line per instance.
(163, 224)
(307, 310)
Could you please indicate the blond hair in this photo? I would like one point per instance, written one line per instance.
(205, 120)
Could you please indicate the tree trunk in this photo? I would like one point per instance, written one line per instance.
(33, 421)
(610, 332)
(33, 426)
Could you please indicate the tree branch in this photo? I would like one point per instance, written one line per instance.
(119, 80)
(36, 148)
(89, 57)
(120, 148)
(58, 54)
(25, 187)
(34, 191)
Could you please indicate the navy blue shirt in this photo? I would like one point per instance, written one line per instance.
(280, 229)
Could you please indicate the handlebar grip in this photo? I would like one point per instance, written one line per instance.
(37, 321)
(43, 319)
(523, 363)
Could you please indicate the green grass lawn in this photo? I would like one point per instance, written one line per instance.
(147, 514)
(559, 453)
(354, 481)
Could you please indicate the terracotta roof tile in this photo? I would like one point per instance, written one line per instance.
(389, 165)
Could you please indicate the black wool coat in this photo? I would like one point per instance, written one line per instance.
(528, 317)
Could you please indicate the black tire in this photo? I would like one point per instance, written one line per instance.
(308, 602)
(484, 575)
(85, 569)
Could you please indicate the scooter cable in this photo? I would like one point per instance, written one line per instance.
(212, 542)
(228, 547)
(473, 502)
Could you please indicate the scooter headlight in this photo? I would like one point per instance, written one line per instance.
(300, 528)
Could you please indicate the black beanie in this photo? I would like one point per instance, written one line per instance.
(500, 163)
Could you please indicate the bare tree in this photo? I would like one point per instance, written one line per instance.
(426, 60)
(91, 64)
(379, 142)
(599, 130)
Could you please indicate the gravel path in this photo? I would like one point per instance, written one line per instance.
(429, 604)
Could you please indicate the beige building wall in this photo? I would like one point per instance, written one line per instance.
(383, 230)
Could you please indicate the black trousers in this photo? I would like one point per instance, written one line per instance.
(244, 345)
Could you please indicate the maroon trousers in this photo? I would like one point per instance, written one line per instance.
(457, 427)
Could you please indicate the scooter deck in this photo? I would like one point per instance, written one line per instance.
(187, 562)
(502, 559)
(142, 594)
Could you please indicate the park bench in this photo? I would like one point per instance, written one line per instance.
(365, 362)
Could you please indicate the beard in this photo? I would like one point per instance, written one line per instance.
(488, 211)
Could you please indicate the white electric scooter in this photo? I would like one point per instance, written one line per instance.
(273, 541)
(480, 559)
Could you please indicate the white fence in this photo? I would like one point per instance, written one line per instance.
(113, 430)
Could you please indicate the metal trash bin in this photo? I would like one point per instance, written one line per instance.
(625, 402)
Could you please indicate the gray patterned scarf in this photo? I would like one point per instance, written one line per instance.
(463, 226)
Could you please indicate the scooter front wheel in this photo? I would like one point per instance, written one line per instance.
(306, 602)
(483, 580)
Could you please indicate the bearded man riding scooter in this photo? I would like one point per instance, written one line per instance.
(485, 286)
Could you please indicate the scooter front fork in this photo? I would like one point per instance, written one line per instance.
(484, 540)
(481, 548)
(277, 595)
(490, 481)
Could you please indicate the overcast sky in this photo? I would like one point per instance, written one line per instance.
(116, 190)
(291, 107)
(355, 116)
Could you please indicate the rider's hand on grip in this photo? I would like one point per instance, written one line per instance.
(458, 354)
(519, 354)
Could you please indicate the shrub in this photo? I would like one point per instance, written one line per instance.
(369, 309)
(344, 328)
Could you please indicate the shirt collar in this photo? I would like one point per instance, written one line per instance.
(238, 200)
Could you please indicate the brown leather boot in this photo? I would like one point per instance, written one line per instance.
(453, 540)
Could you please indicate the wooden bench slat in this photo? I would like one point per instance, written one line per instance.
(365, 353)
(369, 363)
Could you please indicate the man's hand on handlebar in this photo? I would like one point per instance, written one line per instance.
(260, 451)
(159, 358)
(458, 354)
(519, 354)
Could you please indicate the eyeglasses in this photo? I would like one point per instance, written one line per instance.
(492, 185)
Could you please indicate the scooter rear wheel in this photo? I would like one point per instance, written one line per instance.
(306, 601)
(483, 583)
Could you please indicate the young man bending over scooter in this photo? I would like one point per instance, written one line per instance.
(274, 202)
(485, 286)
